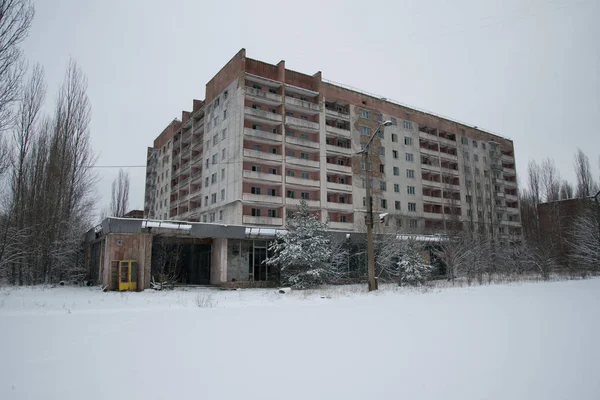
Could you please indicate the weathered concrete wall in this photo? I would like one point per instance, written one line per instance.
(134, 246)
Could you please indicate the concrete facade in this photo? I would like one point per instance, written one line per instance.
(267, 137)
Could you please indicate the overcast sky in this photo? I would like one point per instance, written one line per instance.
(528, 70)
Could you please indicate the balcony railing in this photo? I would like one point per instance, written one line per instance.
(262, 198)
(338, 131)
(338, 149)
(337, 114)
(340, 206)
(250, 220)
(301, 123)
(339, 168)
(302, 103)
(348, 226)
(340, 187)
(268, 115)
(262, 135)
(432, 199)
(262, 176)
(296, 202)
(302, 162)
(302, 182)
(301, 142)
(260, 94)
(261, 155)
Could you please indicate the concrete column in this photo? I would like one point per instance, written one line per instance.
(218, 267)
(323, 158)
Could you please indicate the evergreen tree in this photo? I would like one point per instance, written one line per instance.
(413, 270)
(303, 253)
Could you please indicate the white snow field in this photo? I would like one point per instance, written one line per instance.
(515, 341)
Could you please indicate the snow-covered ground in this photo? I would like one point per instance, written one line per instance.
(515, 341)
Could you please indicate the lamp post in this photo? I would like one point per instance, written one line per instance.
(370, 246)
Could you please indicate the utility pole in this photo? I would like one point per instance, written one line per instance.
(598, 212)
(370, 245)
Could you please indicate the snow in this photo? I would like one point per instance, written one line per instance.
(518, 341)
(166, 225)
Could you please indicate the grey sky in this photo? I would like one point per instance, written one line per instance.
(524, 69)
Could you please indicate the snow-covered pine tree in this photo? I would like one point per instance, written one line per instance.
(303, 253)
(413, 270)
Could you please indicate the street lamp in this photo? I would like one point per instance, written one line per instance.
(370, 251)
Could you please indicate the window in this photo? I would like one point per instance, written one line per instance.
(486, 173)
(220, 215)
(410, 157)
(255, 190)
(224, 134)
(274, 91)
(383, 203)
(464, 140)
(396, 188)
(408, 141)
(291, 194)
(272, 213)
(397, 205)
(484, 159)
(380, 133)
(291, 153)
(475, 157)
(225, 93)
(256, 127)
(408, 125)
(364, 114)
(410, 190)
(412, 207)
(379, 118)
(256, 212)
(256, 168)
(475, 143)
(305, 175)
(342, 200)
(305, 196)
(216, 121)
(362, 165)
(396, 171)
(343, 218)
(304, 137)
(394, 138)
(382, 151)
(395, 154)
(304, 117)
(208, 126)
(466, 156)
(256, 106)
(382, 168)
(365, 131)
(212, 217)
(291, 173)
(217, 102)
(413, 223)
(214, 159)
(206, 181)
(304, 156)
(394, 122)
(273, 171)
(207, 162)
(204, 218)
(483, 146)
(224, 114)
(222, 194)
(213, 178)
(223, 154)
(382, 186)
(272, 192)
(205, 202)
(469, 183)
(215, 139)
(289, 114)
(213, 198)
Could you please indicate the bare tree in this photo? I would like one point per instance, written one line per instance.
(120, 194)
(550, 180)
(566, 190)
(583, 172)
(586, 239)
(15, 20)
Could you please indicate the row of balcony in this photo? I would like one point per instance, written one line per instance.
(252, 220)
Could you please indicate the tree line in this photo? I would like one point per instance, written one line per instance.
(46, 175)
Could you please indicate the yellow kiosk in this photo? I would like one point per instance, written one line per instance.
(128, 275)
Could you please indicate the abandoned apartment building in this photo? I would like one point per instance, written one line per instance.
(223, 179)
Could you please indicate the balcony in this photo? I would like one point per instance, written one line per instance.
(338, 131)
(510, 184)
(447, 156)
(432, 183)
(450, 171)
(262, 198)
(509, 171)
(431, 199)
(302, 142)
(302, 103)
(248, 219)
(431, 215)
(338, 150)
(511, 197)
(337, 114)
(302, 162)
(262, 136)
(264, 115)
(296, 202)
(340, 168)
(512, 223)
(261, 176)
(302, 182)
(339, 187)
(262, 95)
(261, 155)
(301, 123)
(340, 206)
(197, 176)
(346, 226)
(506, 158)
(429, 152)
